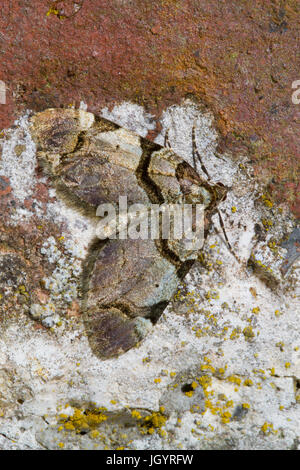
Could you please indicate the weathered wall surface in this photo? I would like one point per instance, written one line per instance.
(221, 367)
(239, 58)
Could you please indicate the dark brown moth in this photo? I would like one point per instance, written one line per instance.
(126, 284)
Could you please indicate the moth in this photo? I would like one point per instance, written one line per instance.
(126, 284)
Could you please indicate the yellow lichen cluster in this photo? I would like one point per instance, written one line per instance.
(215, 408)
(136, 414)
(22, 291)
(235, 334)
(234, 379)
(248, 383)
(146, 360)
(53, 11)
(82, 420)
(151, 423)
(273, 247)
(190, 393)
(212, 295)
(267, 202)
(280, 345)
(246, 406)
(248, 333)
(260, 264)
(267, 428)
(267, 223)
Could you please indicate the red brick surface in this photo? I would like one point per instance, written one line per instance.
(238, 57)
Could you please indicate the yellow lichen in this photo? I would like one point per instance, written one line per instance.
(248, 332)
(154, 422)
(267, 428)
(53, 11)
(69, 426)
(234, 379)
(226, 415)
(267, 202)
(83, 419)
(136, 414)
(246, 405)
(235, 334)
(248, 383)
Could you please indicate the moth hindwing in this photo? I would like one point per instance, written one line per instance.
(126, 283)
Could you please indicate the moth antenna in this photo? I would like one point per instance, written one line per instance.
(226, 238)
(197, 154)
(167, 140)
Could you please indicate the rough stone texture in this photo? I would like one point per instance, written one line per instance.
(239, 58)
(220, 369)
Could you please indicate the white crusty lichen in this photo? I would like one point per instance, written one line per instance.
(63, 282)
(130, 116)
(19, 159)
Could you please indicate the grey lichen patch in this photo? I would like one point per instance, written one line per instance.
(292, 244)
(269, 257)
(62, 284)
(14, 282)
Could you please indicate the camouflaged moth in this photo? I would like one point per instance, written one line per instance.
(126, 284)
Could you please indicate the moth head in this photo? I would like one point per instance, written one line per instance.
(197, 190)
(56, 131)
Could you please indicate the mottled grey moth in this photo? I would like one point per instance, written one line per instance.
(126, 284)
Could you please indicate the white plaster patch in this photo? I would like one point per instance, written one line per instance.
(19, 169)
(81, 229)
(131, 116)
(178, 121)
